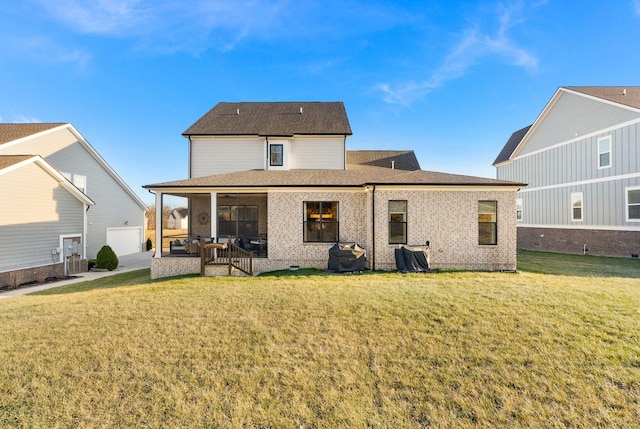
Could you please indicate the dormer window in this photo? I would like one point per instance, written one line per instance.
(276, 155)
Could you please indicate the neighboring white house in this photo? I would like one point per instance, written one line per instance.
(277, 178)
(42, 219)
(112, 212)
(581, 161)
(178, 219)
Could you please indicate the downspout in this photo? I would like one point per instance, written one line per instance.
(189, 155)
(373, 228)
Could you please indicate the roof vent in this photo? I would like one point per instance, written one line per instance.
(237, 111)
(301, 110)
(624, 91)
(393, 165)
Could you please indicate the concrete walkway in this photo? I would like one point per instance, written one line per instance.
(136, 261)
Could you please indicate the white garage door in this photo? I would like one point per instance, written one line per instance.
(125, 241)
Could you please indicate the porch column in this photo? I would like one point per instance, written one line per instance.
(158, 253)
(214, 216)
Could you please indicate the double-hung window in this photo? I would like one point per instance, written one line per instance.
(487, 222)
(519, 209)
(576, 206)
(604, 152)
(321, 222)
(398, 222)
(633, 204)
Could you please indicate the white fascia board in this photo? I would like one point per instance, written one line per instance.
(537, 122)
(106, 166)
(585, 227)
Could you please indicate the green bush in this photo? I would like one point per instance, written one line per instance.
(149, 244)
(91, 263)
(107, 259)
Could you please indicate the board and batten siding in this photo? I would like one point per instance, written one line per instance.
(318, 153)
(35, 211)
(225, 155)
(573, 116)
(603, 205)
(577, 160)
(113, 205)
(554, 174)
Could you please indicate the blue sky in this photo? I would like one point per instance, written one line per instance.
(449, 79)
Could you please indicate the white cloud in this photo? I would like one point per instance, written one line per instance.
(46, 50)
(474, 46)
(168, 25)
(23, 119)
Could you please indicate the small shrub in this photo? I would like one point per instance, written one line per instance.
(149, 244)
(91, 263)
(107, 259)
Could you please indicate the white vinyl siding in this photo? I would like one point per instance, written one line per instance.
(216, 156)
(113, 204)
(35, 211)
(318, 153)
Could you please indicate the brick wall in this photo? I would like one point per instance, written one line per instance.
(449, 220)
(598, 242)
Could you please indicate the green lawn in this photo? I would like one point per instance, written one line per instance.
(443, 350)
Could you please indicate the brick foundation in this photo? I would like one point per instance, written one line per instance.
(598, 242)
(27, 276)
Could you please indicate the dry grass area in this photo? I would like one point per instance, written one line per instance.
(168, 235)
(382, 350)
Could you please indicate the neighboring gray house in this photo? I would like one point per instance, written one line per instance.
(581, 161)
(178, 219)
(39, 211)
(277, 179)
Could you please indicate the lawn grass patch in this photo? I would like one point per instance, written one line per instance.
(460, 349)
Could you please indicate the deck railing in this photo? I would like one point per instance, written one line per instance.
(226, 254)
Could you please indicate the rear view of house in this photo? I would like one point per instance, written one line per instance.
(60, 199)
(581, 161)
(277, 180)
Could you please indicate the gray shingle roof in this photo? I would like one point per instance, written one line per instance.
(273, 119)
(353, 176)
(402, 159)
(11, 132)
(625, 95)
(511, 145)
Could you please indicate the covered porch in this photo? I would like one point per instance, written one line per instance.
(215, 217)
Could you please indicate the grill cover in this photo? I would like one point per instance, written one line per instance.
(412, 259)
(346, 257)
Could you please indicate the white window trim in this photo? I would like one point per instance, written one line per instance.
(580, 198)
(610, 151)
(519, 213)
(626, 202)
(286, 150)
